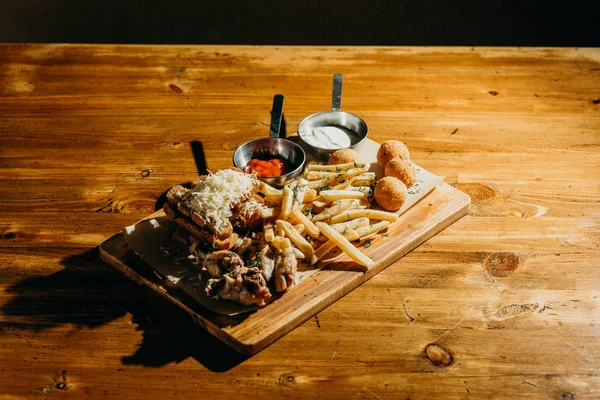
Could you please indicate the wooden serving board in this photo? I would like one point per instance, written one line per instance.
(251, 332)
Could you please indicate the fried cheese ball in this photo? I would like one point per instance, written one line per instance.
(391, 149)
(342, 156)
(390, 193)
(403, 170)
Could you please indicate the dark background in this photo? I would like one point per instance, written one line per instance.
(311, 22)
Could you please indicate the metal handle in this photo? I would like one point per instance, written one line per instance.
(276, 114)
(336, 96)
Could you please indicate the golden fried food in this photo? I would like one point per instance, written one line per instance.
(403, 170)
(391, 149)
(342, 156)
(390, 193)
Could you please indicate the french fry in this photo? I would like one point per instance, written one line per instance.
(362, 189)
(347, 215)
(352, 224)
(333, 195)
(268, 212)
(344, 185)
(299, 228)
(369, 230)
(328, 245)
(337, 178)
(310, 195)
(316, 175)
(321, 251)
(366, 190)
(318, 205)
(274, 198)
(299, 191)
(269, 232)
(279, 232)
(364, 177)
(271, 194)
(349, 234)
(336, 208)
(296, 238)
(363, 182)
(344, 244)
(286, 202)
(363, 203)
(309, 226)
(335, 167)
(281, 243)
(265, 188)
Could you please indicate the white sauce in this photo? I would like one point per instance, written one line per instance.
(329, 137)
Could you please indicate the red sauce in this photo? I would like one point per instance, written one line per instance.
(265, 168)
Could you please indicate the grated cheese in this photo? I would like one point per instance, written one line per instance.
(213, 199)
(250, 208)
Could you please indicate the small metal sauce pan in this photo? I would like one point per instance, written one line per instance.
(347, 121)
(292, 154)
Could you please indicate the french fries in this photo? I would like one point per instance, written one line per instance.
(364, 179)
(299, 191)
(271, 194)
(309, 226)
(268, 212)
(286, 202)
(329, 245)
(333, 195)
(344, 244)
(366, 231)
(281, 243)
(335, 168)
(337, 178)
(299, 228)
(321, 251)
(336, 208)
(310, 195)
(269, 232)
(296, 238)
(352, 224)
(328, 208)
(347, 215)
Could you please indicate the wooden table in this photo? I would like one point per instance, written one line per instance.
(504, 303)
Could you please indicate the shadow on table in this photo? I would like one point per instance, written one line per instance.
(88, 293)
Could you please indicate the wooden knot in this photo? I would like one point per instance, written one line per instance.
(502, 264)
(175, 88)
(438, 355)
(513, 310)
(477, 191)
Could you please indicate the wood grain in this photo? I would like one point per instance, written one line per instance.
(503, 303)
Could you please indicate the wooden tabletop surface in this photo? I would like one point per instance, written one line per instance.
(503, 303)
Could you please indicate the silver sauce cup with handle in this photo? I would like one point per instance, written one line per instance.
(274, 146)
(354, 126)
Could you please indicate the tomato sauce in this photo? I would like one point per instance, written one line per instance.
(265, 168)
